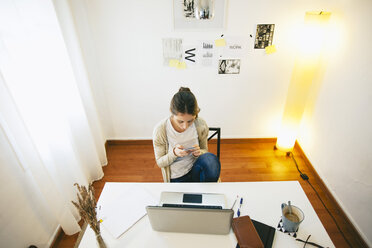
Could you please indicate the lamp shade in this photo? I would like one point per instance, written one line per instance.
(306, 66)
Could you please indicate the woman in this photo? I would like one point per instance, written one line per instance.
(180, 143)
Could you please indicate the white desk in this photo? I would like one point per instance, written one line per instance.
(262, 201)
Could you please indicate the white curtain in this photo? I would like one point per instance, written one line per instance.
(47, 114)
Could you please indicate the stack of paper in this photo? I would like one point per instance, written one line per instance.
(129, 207)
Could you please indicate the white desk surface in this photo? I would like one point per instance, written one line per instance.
(262, 201)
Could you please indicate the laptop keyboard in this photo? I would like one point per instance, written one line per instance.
(190, 206)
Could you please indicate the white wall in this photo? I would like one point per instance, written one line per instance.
(336, 132)
(128, 36)
(133, 88)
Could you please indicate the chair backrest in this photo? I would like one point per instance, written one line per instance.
(217, 131)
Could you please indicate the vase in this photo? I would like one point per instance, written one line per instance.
(101, 243)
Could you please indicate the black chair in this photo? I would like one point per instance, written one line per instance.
(216, 131)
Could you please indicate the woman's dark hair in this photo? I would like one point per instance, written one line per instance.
(184, 102)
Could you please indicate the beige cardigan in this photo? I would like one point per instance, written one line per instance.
(160, 142)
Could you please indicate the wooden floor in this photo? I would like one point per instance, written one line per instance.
(243, 160)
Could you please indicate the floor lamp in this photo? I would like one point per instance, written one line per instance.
(306, 66)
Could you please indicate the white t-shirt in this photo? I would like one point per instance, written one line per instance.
(188, 138)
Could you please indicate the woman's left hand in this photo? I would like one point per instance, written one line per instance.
(196, 151)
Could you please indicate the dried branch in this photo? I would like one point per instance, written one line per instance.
(86, 206)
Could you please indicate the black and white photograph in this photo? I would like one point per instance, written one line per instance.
(229, 66)
(189, 8)
(199, 14)
(264, 35)
(199, 9)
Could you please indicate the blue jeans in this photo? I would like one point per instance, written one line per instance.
(205, 169)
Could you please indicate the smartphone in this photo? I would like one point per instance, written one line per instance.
(189, 149)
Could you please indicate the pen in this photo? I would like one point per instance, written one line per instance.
(240, 206)
(235, 202)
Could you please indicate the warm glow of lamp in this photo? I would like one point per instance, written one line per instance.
(312, 35)
(305, 69)
(286, 138)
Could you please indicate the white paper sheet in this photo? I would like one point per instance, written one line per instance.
(236, 47)
(129, 207)
(172, 49)
(207, 53)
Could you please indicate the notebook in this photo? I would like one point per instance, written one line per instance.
(246, 233)
(265, 232)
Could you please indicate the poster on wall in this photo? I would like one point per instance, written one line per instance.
(172, 50)
(264, 35)
(236, 47)
(207, 53)
(199, 14)
(199, 54)
(184, 54)
(229, 66)
(190, 53)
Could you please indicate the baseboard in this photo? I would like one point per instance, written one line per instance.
(234, 137)
(328, 193)
(212, 141)
(55, 236)
(128, 142)
(244, 140)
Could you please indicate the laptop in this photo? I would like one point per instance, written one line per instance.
(202, 213)
(177, 199)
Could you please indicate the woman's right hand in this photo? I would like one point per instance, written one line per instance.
(179, 151)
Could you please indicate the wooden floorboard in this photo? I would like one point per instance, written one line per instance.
(242, 160)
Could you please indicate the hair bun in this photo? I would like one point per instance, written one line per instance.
(184, 89)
